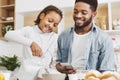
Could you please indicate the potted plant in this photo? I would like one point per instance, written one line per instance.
(6, 28)
(11, 63)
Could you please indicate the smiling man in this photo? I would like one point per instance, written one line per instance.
(85, 46)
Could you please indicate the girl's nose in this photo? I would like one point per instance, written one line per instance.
(51, 25)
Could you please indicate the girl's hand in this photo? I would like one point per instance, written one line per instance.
(36, 50)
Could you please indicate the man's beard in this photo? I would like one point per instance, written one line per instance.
(84, 25)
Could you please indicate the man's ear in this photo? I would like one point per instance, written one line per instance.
(42, 15)
(94, 14)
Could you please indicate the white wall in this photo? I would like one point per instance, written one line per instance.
(19, 21)
(36, 5)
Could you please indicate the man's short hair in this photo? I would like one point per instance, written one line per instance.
(92, 3)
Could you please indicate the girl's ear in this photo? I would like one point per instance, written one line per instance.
(42, 15)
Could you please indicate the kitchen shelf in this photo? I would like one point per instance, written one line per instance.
(107, 13)
(8, 7)
(7, 10)
(6, 22)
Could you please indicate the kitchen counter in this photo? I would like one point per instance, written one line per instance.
(51, 76)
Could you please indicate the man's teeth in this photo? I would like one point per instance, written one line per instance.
(78, 20)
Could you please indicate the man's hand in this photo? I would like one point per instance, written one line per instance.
(64, 69)
(36, 50)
